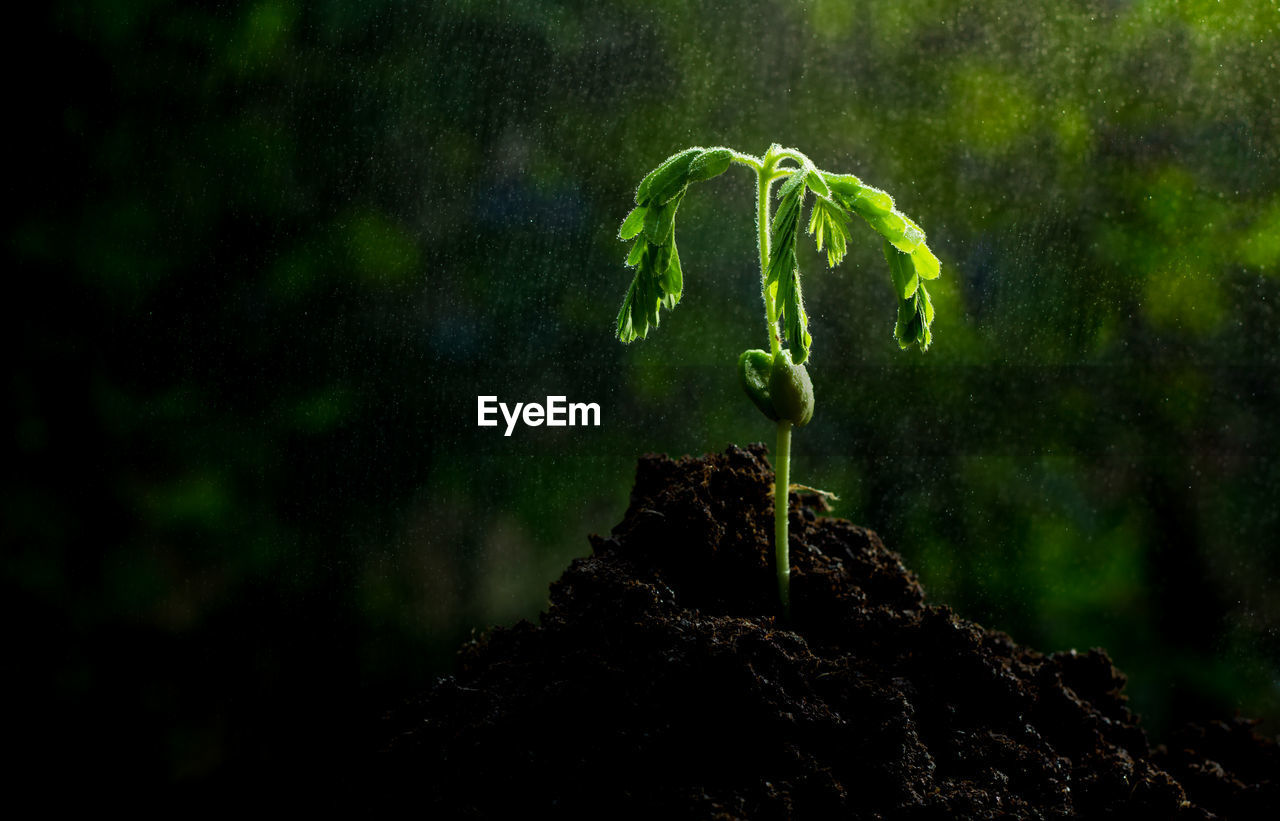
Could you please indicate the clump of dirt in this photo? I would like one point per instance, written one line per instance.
(662, 682)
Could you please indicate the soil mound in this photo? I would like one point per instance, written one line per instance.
(663, 683)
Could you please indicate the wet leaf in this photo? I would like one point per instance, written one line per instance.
(912, 236)
(907, 328)
(872, 202)
(795, 320)
(902, 270)
(660, 221)
(625, 328)
(712, 163)
(829, 225)
(672, 279)
(668, 178)
(816, 184)
(637, 252)
(926, 263)
(843, 186)
(633, 224)
(890, 226)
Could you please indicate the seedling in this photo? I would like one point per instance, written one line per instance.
(776, 380)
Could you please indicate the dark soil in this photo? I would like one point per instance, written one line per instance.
(662, 683)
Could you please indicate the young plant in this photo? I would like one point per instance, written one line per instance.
(776, 380)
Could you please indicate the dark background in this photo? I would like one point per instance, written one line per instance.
(263, 257)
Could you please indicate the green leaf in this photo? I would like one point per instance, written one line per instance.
(795, 320)
(924, 315)
(651, 303)
(640, 308)
(905, 235)
(912, 235)
(660, 221)
(786, 225)
(633, 223)
(771, 291)
(668, 179)
(640, 303)
(891, 226)
(782, 272)
(672, 279)
(871, 203)
(902, 270)
(625, 327)
(637, 253)
(843, 186)
(924, 318)
(658, 281)
(659, 278)
(816, 184)
(907, 328)
(658, 284)
(926, 263)
(712, 163)
(829, 227)
(788, 188)
(915, 321)
(652, 223)
(817, 225)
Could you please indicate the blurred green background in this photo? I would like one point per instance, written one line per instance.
(264, 256)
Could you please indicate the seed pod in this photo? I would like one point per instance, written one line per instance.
(791, 390)
(753, 373)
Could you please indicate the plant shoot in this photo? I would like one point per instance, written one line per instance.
(776, 380)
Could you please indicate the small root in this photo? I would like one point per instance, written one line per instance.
(825, 494)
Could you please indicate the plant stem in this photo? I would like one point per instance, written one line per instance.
(767, 173)
(748, 160)
(781, 512)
